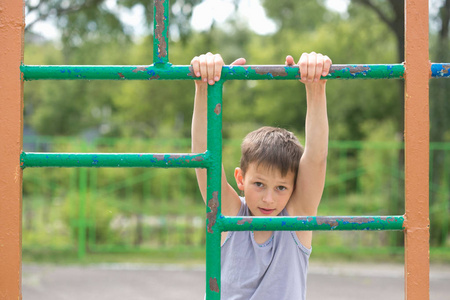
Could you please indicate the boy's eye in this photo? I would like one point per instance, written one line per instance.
(281, 188)
(258, 184)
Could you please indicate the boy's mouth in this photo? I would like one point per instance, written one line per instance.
(266, 211)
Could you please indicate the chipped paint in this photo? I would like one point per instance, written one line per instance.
(245, 220)
(191, 73)
(121, 75)
(218, 109)
(159, 157)
(214, 173)
(198, 158)
(160, 31)
(333, 223)
(272, 71)
(140, 69)
(213, 205)
(440, 70)
(213, 285)
(352, 69)
(312, 223)
(30, 159)
(169, 72)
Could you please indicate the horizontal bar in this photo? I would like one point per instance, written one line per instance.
(167, 71)
(310, 223)
(114, 160)
(440, 70)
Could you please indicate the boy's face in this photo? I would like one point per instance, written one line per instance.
(266, 191)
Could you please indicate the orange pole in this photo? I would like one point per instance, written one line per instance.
(12, 26)
(417, 126)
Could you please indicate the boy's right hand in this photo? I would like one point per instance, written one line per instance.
(209, 67)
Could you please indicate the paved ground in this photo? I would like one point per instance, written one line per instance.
(338, 281)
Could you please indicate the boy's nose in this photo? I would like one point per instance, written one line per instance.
(268, 198)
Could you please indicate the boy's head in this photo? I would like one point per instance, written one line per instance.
(271, 147)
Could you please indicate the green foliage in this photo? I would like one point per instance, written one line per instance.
(137, 208)
(360, 180)
(303, 14)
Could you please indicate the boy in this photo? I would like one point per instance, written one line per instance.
(277, 177)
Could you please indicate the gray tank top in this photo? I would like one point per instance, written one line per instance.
(275, 269)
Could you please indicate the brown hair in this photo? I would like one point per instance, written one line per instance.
(271, 147)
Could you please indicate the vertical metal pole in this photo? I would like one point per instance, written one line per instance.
(92, 207)
(11, 121)
(445, 196)
(417, 74)
(214, 192)
(161, 32)
(82, 213)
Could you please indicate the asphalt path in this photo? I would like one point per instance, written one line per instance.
(170, 282)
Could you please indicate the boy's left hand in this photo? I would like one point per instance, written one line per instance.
(209, 67)
(312, 66)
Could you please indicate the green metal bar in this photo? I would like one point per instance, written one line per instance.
(213, 208)
(161, 32)
(444, 201)
(167, 72)
(93, 175)
(82, 214)
(114, 160)
(311, 223)
(342, 170)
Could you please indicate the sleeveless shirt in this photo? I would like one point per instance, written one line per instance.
(275, 269)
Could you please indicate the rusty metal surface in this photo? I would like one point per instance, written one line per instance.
(311, 223)
(165, 71)
(211, 216)
(114, 160)
(161, 35)
(214, 183)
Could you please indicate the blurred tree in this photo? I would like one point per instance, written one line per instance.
(440, 126)
(91, 33)
(392, 13)
(439, 89)
(81, 19)
(304, 15)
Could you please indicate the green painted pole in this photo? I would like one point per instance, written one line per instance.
(93, 174)
(82, 214)
(311, 223)
(114, 160)
(167, 72)
(213, 208)
(161, 32)
(445, 200)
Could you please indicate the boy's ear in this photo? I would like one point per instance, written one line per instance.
(239, 176)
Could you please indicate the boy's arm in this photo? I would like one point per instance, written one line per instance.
(312, 169)
(209, 68)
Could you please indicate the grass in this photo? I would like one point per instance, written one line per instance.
(187, 256)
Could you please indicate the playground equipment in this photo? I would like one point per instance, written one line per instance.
(416, 71)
